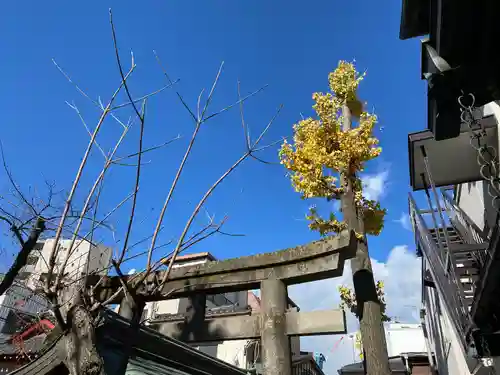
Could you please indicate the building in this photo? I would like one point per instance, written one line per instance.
(407, 364)
(404, 338)
(21, 310)
(84, 257)
(407, 350)
(26, 314)
(153, 310)
(19, 307)
(400, 338)
(454, 174)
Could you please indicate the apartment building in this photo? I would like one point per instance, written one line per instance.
(21, 306)
(454, 175)
(83, 257)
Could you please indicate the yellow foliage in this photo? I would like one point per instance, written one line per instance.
(321, 149)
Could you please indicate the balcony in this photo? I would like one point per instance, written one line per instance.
(452, 161)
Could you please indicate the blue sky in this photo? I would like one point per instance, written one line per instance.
(292, 46)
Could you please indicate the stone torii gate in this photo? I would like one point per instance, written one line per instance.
(272, 273)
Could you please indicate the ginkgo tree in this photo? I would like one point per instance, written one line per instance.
(322, 151)
(323, 160)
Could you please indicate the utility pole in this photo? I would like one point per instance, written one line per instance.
(370, 318)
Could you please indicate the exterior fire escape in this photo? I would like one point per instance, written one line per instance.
(455, 256)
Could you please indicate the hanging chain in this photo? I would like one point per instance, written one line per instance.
(487, 161)
(486, 155)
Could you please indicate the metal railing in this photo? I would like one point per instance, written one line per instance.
(447, 283)
(469, 230)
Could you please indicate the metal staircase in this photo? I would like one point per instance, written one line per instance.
(454, 255)
(466, 264)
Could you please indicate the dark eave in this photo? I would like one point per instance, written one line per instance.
(463, 35)
(414, 18)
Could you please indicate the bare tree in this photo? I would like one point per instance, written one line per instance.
(71, 297)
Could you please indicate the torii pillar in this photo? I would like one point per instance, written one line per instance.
(274, 337)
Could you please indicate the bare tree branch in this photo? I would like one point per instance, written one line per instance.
(79, 173)
(245, 131)
(177, 92)
(136, 189)
(22, 255)
(13, 183)
(207, 195)
(199, 121)
(116, 160)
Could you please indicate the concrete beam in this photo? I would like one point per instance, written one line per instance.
(246, 327)
(315, 261)
(218, 329)
(323, 322)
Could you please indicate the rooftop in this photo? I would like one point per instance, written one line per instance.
(190, 257)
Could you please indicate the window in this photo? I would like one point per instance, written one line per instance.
(220, 299)
(211, 350)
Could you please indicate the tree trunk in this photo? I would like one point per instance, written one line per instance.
(82, 357)
(80, 346)
(369, 313)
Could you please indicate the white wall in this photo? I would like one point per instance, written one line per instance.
(404, 338)
(443, 340)
(295, 345)
(474, 200)
(473, 197)
(470, 199)
(401, 338)
(233, 352)
(98, 259)
(170, 306)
